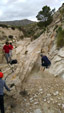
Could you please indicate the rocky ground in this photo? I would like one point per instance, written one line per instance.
(43, 93)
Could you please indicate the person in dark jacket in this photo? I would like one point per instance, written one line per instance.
(45, 61)
(2, 85)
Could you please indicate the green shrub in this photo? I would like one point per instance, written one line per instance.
(59, 29)
(60, 37)
(10, 36)
(13, 28)
(19, 28)
(38, 34)
(3, 26)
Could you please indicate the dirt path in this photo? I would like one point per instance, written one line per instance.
(45, 94)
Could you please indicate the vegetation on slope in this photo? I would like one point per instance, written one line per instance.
(45, 16)
(60, 37)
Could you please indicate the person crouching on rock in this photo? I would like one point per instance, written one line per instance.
(2, 85)
(45, 62)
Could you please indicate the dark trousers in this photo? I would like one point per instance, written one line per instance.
(2, 104)
(45, 64)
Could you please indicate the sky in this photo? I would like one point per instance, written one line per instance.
(25, 9)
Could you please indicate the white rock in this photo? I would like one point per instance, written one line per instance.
(25, 100)
(37, 111)
(48, 101)
(56, 93)
(35, 95)
(40, 89)
(59, 104)
(48, 95)
(44, 100)
(51, 99)
(36, 103)
(31, 98)
(41, 92)
(62, 106)
(61, 52)
(57, 59)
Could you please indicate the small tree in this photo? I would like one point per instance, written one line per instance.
(45, 16)
(60, 37)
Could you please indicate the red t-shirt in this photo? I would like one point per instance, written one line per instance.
(10, 47)
(6, 48)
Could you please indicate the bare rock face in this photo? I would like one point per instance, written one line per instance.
(27, 54)
(57, 63)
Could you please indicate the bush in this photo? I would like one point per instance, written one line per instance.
(19, 28)
(10, 36)
(60, 37)
(3, 26)
(13, 28)
(59, 29)
(38, 34)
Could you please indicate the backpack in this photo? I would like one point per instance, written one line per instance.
(13, 62)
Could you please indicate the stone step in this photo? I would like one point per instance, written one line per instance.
(2, 66)
(6, 70)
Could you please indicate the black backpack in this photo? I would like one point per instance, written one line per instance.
(13, 62)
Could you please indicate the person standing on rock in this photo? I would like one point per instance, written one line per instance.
(2, 85)
(10, 49)
(6, 51)
(45, 62)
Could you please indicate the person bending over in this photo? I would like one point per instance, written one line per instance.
(45, 62)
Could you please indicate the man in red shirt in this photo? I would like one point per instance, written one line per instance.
(6, 51)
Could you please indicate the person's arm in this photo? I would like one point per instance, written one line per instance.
(42, 60)
(3, 50)
(6, 86)
(12, 46)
